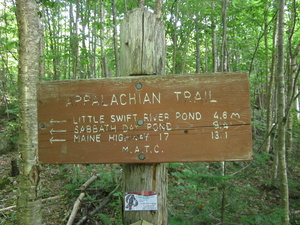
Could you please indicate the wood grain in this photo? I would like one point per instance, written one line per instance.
(146, 119)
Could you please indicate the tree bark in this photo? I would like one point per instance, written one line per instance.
(103, 56)
(158, 8)
(206, 55)
(116, 51)
(141, 4)
(125, 7)
(292, 77)
(75, 209)
(214, 41)
(74, 40)
(53, 44)
(84, 69)
(197, 46)
(270, 86)
(275, 95)
(282, 117)
(174, 17)
(224, 58)
(223, 199)
(28, 202)
(142, 53)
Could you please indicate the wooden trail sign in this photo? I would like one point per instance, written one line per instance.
(145, 119)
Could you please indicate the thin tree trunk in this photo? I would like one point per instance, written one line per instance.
(284, 188)
(175, 20)
(275, 108)
(28, 202)
(53, 46)
(214, 41)
(184, 50)
(275, 160)
(270, 104)
(116, 51)
(275, 95)
(223, 201)
(42, 46)
(74, 43)
(125, 7)
(291, 72)
(270, 86)
(197, 46)
(93, 44)
(5, 68)
(224, 60)
(84, 69)
(103, 56)
(206, 55)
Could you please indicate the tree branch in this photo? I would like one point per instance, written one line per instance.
(80, 198)
(103, 203)
(43, 200)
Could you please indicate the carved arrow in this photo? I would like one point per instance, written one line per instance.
(56, 140)
(57, 131)
(57, 121)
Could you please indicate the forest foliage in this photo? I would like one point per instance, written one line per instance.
(80, 41)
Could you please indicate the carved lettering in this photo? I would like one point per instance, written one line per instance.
(193, 97)
(188, 115)
(115, 99)
(154, 149)
(87, 138)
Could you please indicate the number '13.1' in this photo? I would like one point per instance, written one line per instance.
(215, 135)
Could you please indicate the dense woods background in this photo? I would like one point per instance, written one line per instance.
(80, 40)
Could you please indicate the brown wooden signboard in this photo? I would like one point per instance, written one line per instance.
(145, 119)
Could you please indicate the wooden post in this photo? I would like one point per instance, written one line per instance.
(142, 52)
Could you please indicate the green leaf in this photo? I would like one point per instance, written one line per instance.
(104, 218)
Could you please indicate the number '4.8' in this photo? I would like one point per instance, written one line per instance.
(224, 115)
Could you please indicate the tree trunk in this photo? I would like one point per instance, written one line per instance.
(141, 3)
(125, 7)
(158, 8)
(292, 77)
(74, 40)
(53, 45)
(175, 21)
(223, 199)
(28, 203)
(143, 52)
(42, 54)
(206, 55)
(116, 38)
(275, 96)
(185, 54)
(224, 60)
(270, 86)
(103, 56)
(282, 117)
(84, 69)
(214, 41)
(197, 46)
